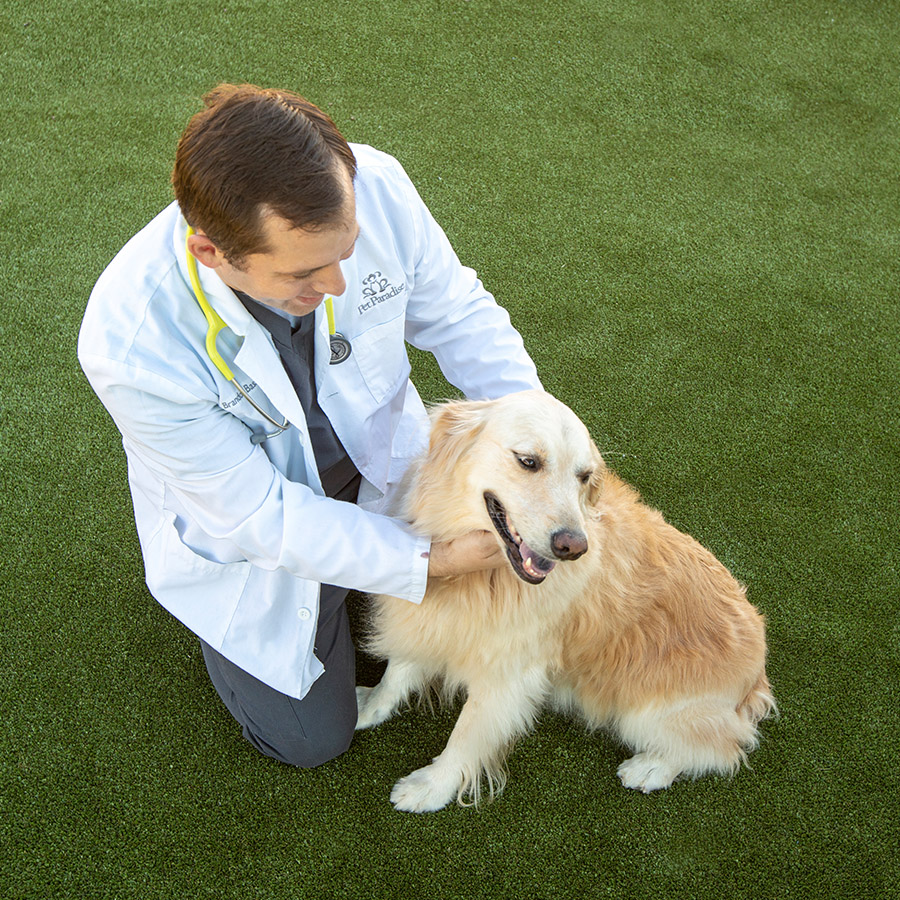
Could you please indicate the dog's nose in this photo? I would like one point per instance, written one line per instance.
(568, 544)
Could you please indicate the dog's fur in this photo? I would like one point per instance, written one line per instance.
(637, 626)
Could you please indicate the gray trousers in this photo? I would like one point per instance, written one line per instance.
(305, 732)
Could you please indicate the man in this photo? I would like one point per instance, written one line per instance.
(261, 455)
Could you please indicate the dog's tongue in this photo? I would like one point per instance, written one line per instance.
(534, 564)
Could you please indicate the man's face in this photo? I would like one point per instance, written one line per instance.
(300, 269)
(301, 266)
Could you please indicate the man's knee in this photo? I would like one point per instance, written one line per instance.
(304, 751)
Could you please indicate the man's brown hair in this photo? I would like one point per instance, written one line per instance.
(253, 151)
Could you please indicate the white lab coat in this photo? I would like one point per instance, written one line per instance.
(236, 537)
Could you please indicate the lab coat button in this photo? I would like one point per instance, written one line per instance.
(303, 614)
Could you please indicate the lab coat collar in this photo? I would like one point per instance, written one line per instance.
(257, 356)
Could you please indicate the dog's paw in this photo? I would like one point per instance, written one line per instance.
(425, 790)
(370, 710)
(646, 772)
(362, 699)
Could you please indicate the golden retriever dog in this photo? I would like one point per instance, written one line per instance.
(604, 609)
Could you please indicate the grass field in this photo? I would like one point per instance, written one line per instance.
(692, 212)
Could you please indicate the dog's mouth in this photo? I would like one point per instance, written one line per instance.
(527, 564)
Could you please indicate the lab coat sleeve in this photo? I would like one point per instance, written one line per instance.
(231, 490)
(451, 315)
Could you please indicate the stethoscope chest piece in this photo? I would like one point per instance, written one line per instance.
(340, 348)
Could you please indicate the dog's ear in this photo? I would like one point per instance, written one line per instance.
(456, 417)
(595, 486)
(454, 425)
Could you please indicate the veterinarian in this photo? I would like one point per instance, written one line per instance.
(249, 344)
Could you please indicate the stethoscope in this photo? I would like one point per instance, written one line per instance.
(340, 346)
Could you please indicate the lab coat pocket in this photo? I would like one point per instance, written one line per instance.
(380, 354)
(201, 593)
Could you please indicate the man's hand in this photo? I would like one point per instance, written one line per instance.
(473, 552)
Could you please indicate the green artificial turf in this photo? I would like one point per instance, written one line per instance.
(691, 212)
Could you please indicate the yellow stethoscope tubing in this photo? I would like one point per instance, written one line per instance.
(329, 312)
(215, 324)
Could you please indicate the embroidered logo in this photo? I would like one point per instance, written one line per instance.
(377, 289)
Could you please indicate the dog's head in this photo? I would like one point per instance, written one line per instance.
(523, 466)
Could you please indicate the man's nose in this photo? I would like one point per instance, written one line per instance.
(330, 281)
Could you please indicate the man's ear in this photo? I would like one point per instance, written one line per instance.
(204, 250)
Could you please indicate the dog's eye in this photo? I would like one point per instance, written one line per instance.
(528, 462)
(585, 477)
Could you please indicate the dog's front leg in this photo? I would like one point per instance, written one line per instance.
(493, 715)
(379, 703)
